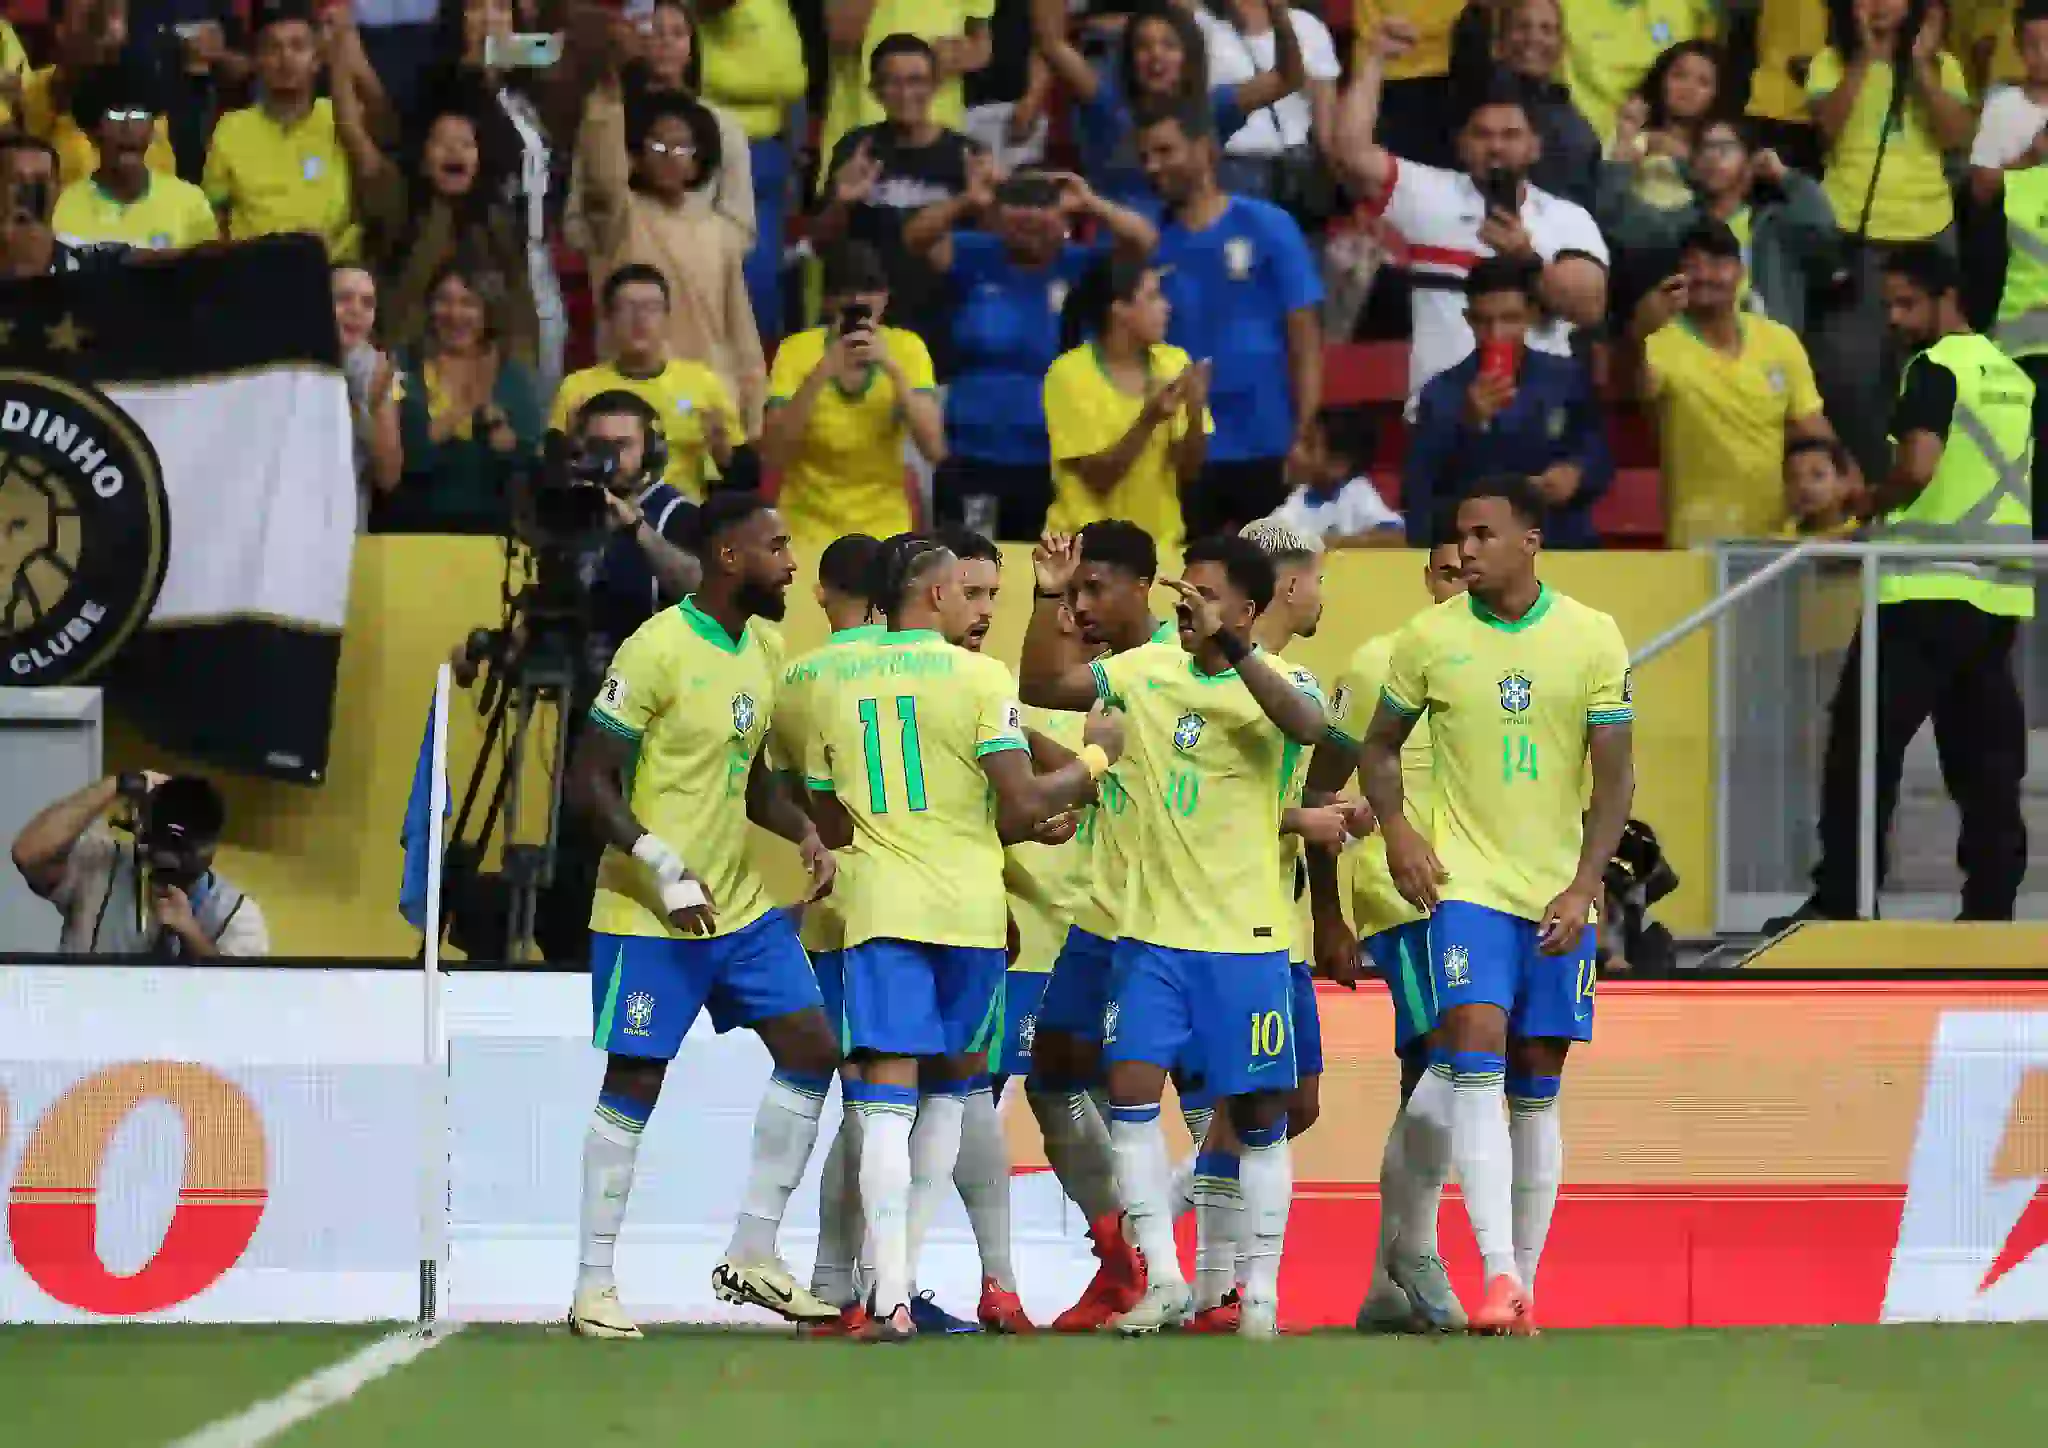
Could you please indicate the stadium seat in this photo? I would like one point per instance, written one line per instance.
(1357, 374)
(1631, 513)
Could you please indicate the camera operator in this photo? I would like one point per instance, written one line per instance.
(158, 897)
(643, 564)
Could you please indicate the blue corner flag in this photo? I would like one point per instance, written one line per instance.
(415, 838)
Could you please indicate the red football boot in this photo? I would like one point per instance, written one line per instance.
(1000, 1311)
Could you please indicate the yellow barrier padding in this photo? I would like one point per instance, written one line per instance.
(1865, 945)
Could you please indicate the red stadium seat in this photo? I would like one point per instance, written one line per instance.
(1631, 513)
(1362, 373)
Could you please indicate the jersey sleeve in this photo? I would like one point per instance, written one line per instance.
(1297, 279)
(1114, 674)
(1802, 394)
(998, 717)
(1406, 688)
(565, 402)
(916, 361)
(793, 362)
(637, 688)
(1358, 690)
(1306, 682)
(1611, 687)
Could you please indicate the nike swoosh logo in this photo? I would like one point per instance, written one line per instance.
(1455, 659)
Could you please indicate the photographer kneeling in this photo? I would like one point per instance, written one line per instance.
(158, 897)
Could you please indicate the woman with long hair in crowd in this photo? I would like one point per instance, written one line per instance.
(1660, 125)
(470, 414)
(372, 387)
(1009, 279)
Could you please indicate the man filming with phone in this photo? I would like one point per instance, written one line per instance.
(1487, 208)
(842, 399)
(157, 897)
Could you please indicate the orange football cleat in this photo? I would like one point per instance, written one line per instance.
(1506, 1309)
(852, 1318)
(1222, 1318)
(1118, 1283)
(1001, 1311)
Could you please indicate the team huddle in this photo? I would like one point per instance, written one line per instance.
(1155, 806)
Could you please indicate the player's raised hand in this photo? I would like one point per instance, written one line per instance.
(1564, 920)
(822, 865)
(1104, 728)
(1199, 612)
(1413, 864)
(1054, 560)
(1336, 952)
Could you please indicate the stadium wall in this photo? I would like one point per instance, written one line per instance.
(264, 1145)
(325, 861)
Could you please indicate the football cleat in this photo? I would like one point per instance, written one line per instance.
(768, 1284)
(1222, 1318)
(895, 1326)
(1424, 1280)
(934, 1320)
(1000, 1309)
(1260, 1319)
(1505, 1310)
(852, 1318)
(1165, 1304)
(1118, 1283)
(596, 1313)
(1387, 1309)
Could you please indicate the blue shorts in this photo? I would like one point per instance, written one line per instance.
(1402, 958)
(830, 966)
(910, 998)
(1481, 956)
(1231, 1014)
(1308, 1021)
(646, 990)
(1022, 992)
(1077, 992)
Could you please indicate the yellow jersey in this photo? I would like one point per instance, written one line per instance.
(1085, 414)
(1511, 708)
(1206, 767)
(1375, 904)
(1293, 782)
(682, 395)
(1109, 833)
(1913, 202)
(1047, 883)
(269, 178)
(1789, 33)
(753, 58)
(696, 703)
(796, 745)
(1610, 46)
(1434, 20)
(848, 474)
(850, 101)
(169, 215)
(1722, 422)
(908, 720)
(77, 156)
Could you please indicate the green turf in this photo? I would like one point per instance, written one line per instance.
(136, 1387)
(1867, 1387)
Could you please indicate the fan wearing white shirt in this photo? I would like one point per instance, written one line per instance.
(1450, 219)
(1335, 501)
(2013, 131)
(1241, 44)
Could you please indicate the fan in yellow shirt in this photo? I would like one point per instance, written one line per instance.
(1850, 99)
(279, 165)
(87, 38)
(1610, 46)
(13, 69)
(842, 400)
(1127, 415)
(123, 200)
(699, 422)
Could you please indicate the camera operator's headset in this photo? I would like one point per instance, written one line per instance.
(654, 453)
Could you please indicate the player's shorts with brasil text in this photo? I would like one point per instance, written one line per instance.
(1077, 992)
(910, 998)
(1023, 994)
(1479, 955)
(1231, 1013)
(1402, 958)
(646, 990)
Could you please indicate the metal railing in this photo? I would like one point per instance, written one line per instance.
(1870, 560)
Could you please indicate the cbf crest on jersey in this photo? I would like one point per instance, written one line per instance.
(639, 1012)
(1187, 731)
(1515, 691)
(742, 713)
(1457, 966)
(1237, 258)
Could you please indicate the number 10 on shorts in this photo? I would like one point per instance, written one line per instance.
(1269, 1034)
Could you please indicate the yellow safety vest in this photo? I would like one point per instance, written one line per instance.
(2022, 329)
(1981, 492)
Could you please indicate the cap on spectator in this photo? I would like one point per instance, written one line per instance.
(121, 85)
(853, 267)
(1710, 237)
(265, 13)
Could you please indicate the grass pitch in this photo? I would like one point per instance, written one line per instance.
(506, 1386)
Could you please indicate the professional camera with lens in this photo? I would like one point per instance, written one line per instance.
(566, 507)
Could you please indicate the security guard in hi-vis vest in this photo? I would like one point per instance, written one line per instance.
(1963, 431)
(2021, 330)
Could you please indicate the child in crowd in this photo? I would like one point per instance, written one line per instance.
(1820, 494)
(1661, 124)
(1334, 499)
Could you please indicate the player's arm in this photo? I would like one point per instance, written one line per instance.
(1411, 860)
(1328, 768)
(1610, 753)
(1026, 799)
(1294, 706)
(1049, 675)
(775, 807)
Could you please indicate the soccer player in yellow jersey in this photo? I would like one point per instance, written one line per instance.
(674, 764)
(1103, 577)
(921, 733)
(1414, 1293)
(1526, 691)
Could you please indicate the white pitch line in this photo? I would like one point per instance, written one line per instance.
(263, 1422)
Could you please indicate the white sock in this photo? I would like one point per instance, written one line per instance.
(1537, 1138)
(609, 1149)
(1425, 1162)
(1182, 1182)
(1266, 1177)
(1485, 1160)
(839, 1228)
(934, 1150)
(886, 1117)
(983, 1176)
(1219, 1211)
(1393, 1195)
(785, 1130)
(1077, 1147)
(1142, 1182)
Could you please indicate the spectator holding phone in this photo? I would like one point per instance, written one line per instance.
(1507, 409)
(1008, 283)
(123, 200)
(1487, 208)
(1128, 412)
(844, 399)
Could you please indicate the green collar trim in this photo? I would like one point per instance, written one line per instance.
(857, 633)
(1166, 631)
(1493, 620)
(909, 636)
(708, 628)
(1223, 677)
